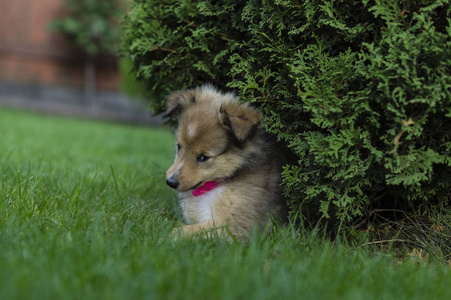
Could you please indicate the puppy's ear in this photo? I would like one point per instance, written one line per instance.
(178, 101)
(241, 120)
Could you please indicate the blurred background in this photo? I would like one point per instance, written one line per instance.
(60, 57)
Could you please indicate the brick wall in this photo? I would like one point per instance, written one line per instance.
(30, 54)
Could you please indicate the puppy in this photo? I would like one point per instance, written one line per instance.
(227, 168)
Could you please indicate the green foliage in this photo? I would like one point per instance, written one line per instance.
(91, 24)
(359, 90)
(129, 85)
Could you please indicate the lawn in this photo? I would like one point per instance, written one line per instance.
(85, 214)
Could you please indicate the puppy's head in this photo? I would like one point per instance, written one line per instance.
(213, 133)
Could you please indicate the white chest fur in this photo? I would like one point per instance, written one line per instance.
(201, 208)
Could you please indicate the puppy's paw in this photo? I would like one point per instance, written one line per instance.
(177, 233)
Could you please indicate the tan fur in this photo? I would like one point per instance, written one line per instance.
(241, 159)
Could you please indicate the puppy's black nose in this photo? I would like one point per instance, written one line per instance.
(172, 183)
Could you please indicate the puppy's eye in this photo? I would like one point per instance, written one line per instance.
(203, 158)
(178, 147)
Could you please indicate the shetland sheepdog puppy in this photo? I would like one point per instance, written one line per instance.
(227, 168)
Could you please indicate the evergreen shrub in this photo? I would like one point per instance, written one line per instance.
(359, 90)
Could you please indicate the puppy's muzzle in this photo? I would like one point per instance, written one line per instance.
(172, 182)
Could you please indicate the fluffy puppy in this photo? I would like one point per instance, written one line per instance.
(226, 169)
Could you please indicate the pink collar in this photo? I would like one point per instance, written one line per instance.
(206, 187)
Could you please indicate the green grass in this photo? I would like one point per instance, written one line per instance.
(85, 214)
